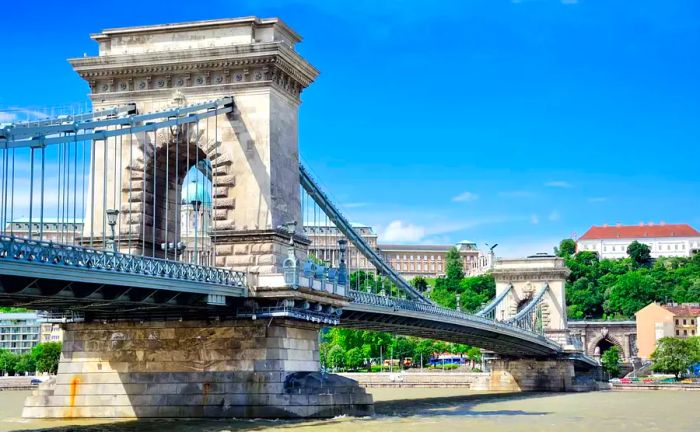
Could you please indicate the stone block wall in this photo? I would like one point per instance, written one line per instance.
(194, 369)
(532, 375)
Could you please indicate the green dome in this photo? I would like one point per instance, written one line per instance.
(196, 191)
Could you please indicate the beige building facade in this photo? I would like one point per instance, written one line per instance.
(408, 260)
(656, 321)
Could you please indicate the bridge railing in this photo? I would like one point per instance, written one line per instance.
(414, 306)
(55, 254)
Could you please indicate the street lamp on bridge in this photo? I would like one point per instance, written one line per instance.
(112, 215)
(196, 205)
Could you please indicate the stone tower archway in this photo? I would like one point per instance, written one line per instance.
(255, 154)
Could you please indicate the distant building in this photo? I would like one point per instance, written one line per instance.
(664, 240)
(19, 332)
(408, 260)
(429, 260)
(49, 229)
(50, 332)
(324, 245)
(656, 321)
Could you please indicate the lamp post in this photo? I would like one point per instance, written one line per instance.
(112, 215)
(342, 268)
(459, 306)
(196, 205)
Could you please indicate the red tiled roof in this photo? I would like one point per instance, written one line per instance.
(683, 309)
(640, 231)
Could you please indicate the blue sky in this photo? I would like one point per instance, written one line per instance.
(514, 122)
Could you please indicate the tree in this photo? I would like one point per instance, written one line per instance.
(46, 356)
(335, 356)
(8, 362)
(631, 292)
(611, 361)
(567, 247)
(454, 269)
(639, 253)
(25, 363)
(353, 358)
(673, 355)
(420, 283)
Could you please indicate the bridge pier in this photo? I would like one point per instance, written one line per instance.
(555, 375)
(263, 369)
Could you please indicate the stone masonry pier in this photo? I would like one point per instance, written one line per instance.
(194, 369)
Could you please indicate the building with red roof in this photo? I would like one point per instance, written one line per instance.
(611, 241)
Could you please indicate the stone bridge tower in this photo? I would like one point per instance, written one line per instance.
(253, 151)
(523, 279)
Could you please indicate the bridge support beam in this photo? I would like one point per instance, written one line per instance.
(267, 369)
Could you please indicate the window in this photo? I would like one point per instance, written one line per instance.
(405, 266)
(692, 332)
(685, 332)
(684, 322)
(692, 322)
(677, 322)
(678, 332)
(425, 257)
(432, 257)
(411, 257)
(413, 268)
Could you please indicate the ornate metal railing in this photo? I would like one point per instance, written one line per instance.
(413, 306)
(490, 309)
(55, 254)
(530, 317)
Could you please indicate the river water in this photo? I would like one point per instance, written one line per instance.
(442, 410)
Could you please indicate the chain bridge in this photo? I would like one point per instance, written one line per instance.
(168, 228)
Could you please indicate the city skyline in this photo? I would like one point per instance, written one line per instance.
(518, 123)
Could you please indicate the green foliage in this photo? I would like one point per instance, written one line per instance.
(336, 356)
(454, 269)
(611, 361)
(46, 356)
(8, 362)
(631, 292)
(673, 355)
(639, 253)
(420, 283)
(567, 247)
(619, 288)
(5, 309)
(353, 358)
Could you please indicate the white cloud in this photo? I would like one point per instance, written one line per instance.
(559, 184)
(597, 199)
(15, 114)
(534, 219)
(554, 216)
(465, 197)
(399, 231)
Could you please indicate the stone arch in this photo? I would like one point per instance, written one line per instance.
(152, 186)
(604, 341)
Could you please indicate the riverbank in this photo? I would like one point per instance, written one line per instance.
(655, 387)
(469, 380)
(16, 383)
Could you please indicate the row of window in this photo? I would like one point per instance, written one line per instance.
(416, 267)
(692, 322)
(685, 332)
(425, 258)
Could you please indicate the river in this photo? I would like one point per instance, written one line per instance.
(420, 409)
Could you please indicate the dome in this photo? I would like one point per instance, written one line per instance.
(196, 191)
